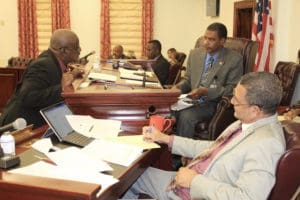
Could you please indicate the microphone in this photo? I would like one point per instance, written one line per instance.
(83, 60)
(18, 124)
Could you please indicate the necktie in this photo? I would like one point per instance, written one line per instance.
(207, 68)
(223, 139)
(206, 154)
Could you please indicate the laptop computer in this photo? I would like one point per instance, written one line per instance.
(55, 116)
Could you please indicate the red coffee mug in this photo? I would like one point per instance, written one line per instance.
(161, 123)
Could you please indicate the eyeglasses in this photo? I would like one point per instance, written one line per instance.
(77, 49)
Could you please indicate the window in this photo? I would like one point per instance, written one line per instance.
(44, 23)
(126, 25)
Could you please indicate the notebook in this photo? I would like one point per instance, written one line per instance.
(55, 116)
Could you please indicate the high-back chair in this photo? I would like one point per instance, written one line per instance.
(210, 130)
(288, 73)
(246, 47)
(19, 61)
(175, 71)
(287, 172)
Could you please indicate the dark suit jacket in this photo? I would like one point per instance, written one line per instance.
(39, 87)
(161, 69)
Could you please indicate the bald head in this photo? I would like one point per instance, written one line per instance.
(65, 44)
(63, 37)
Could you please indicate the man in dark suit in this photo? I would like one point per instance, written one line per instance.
(44, 80)
(161, 67)
(212, 71)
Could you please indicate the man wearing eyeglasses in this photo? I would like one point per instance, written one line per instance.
(44, 80)
(240, 164)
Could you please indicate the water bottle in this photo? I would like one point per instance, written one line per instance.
(96, 63)
(7, 142)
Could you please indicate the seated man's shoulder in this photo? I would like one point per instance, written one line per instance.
(232, 52)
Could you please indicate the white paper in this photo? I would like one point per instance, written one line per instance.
(135, 75)
(43, 169)
(102, 76)
(96, 128)
(113, 152)
(183, 102)
(75, 158)
(43, 145)
(134, 140)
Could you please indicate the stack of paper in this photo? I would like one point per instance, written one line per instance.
(133, 75)
(96, 128)
(113, 152)
(43, 169)
(102, 77)
(182, 103)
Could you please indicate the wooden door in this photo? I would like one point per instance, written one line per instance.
(243, 18)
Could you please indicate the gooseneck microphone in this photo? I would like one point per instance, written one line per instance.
(83, 60)
(18, 124)
(87, 55)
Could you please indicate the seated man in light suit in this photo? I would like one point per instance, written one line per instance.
(212, 71)
(240, 164)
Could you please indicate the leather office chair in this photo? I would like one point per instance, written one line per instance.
(175, 70)
(246, 47)
(287, 172)
(223, 116)
(19, 61)
(288, 73)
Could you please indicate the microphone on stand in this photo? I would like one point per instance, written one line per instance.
(83, 60)
(18, 124)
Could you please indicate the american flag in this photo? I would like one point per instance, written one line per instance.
(263, 33)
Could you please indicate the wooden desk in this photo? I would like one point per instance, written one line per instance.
(132, 105)
(15, 186)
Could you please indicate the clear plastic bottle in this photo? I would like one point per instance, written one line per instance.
(7, 142)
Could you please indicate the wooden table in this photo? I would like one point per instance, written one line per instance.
(16, 186)
(132, 104)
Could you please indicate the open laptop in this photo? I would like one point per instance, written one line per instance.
(55, 116)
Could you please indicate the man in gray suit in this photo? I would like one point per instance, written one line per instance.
(240, 164)
(212, 71)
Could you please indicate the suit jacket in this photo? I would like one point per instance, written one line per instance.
(224, 74)
(161, 69)
(39, 87)
(244, 168)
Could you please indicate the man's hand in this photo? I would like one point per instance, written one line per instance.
(68, 77)
(198, 92)
(183, 178)
(151, 134)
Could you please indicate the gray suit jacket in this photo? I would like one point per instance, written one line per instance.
(226, 72)
(244, 168)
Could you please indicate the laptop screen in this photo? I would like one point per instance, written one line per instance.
(55, 115)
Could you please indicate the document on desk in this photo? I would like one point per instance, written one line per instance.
(75, 158)
(134, 75)
(113, 152)
(96, 128)
(43, 169)
(102, 77)
(182, 103)
(134, 140)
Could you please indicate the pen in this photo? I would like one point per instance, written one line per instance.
(150, 129)
(47, 160)
(91, 128)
